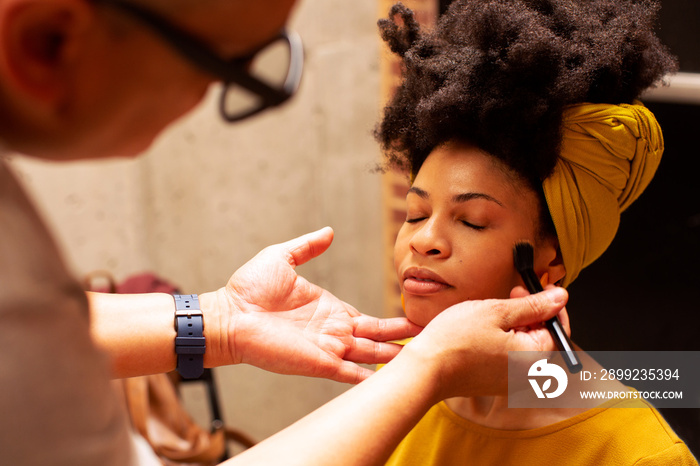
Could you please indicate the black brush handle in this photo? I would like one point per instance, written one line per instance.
(561, 339)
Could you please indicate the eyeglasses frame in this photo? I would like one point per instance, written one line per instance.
(230, 71)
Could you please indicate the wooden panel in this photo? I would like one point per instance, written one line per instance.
(394, 184)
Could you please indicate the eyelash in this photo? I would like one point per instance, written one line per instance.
(465, 223)
(471, 225)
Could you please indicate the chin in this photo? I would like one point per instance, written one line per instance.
(421, 310)
(128, 150)
(421, 314)
(125, 148)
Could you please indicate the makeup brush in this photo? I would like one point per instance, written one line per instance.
(524, 258)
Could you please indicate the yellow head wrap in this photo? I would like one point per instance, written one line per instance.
(609, 154)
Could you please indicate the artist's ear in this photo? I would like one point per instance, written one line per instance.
(41, 41)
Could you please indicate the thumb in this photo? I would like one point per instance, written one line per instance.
(308, 246)
(533, 309)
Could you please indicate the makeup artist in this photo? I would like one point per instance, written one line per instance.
(84, 79)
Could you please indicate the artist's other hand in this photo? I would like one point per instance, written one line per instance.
(467, 345)
(272, 318)
(520, 292)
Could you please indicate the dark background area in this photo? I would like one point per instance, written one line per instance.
(643, 293)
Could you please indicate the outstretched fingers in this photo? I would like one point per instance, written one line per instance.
(373, 328)
(364, 351)
(349, 372)
(332, 368)
(373, 337)
(308, 246)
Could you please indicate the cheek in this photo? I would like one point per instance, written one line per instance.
(157, 112)
(494, 278)
(401, 249)
(173, 103)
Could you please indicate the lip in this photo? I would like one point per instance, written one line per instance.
(420, 281)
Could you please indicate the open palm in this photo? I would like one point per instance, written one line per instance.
(282, 323)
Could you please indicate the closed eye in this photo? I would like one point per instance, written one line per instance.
(415, 220)
(471, 225)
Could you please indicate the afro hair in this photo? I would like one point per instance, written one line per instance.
(500, 73)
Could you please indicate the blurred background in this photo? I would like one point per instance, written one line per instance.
(208, 196)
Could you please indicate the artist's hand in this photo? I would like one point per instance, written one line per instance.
(467, 345)
(520, 292)
(274, 319)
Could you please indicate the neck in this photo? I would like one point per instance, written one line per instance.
(493, 412)
(487, 411)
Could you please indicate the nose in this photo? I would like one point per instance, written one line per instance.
(431, 240)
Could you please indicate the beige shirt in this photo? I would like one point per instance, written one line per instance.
(56, 404)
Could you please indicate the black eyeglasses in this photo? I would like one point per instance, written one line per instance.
(264, 78)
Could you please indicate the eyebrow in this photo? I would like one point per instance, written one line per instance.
(457, 198)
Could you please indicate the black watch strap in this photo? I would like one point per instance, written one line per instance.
(189, 342)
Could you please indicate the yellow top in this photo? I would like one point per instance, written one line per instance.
(602, 436)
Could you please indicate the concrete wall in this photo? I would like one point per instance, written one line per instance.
(208, 196)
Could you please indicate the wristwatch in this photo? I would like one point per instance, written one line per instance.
(189, 342)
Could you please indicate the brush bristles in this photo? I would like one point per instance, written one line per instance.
(523, 256)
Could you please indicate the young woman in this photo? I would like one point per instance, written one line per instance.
(517, 120)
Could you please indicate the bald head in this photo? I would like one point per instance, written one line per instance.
(79, 78)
